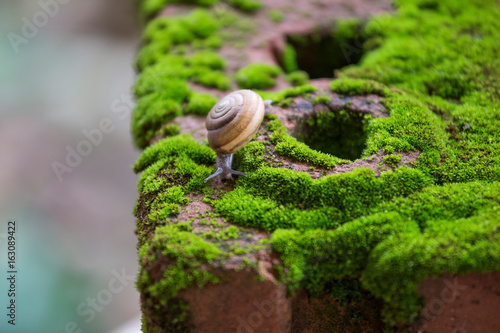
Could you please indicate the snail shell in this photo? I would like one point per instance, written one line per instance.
(234, 120)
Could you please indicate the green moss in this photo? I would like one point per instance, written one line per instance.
(208, 59)
(276, 15)
(167, 203)
(298, 78)
(322, 100)
(149, 8)
(154, 81)
(290, 59)
(350, 86)
(211, 78)
(187, 253)
(388, 149)
(246, 5)
(174, 147)
(173, 254)
(201, 22)
(170, 129)
(434, 231)
(150, 54)
(200, 103)
(273, 198)
(285, 93)
(251, 156)
(449, 62)
(165, 75)
(347, 29)
(150, 113)
(393, 159)
(257, 76)
(148, 182)
(393, 253)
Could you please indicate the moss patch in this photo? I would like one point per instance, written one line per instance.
(257, 76)
(165, 75)
(149, 8)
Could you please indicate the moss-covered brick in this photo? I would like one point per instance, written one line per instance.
(436, 65)
(393, 251)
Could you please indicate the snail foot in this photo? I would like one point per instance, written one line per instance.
(225, 174)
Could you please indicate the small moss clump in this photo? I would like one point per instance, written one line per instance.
(211, 78)
(200, 103)
(173, 147)
(276, 15)
(208, 59)
(286, 93)
(349, 86)
(322, 100)
(290, 59)
(257, 76)
(297, 78)
(392, 160)
(149, 115)
(170, 129)
(149, 8)
(246, 5)
(250, 156)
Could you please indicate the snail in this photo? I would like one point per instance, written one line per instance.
(231, 124)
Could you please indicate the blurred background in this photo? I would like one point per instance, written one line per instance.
(65, 67)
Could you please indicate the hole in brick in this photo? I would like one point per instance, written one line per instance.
(320, 54)
(341, 134)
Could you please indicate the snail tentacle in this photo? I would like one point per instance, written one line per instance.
(268, 106)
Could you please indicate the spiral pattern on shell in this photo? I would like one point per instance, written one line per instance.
(234, 120)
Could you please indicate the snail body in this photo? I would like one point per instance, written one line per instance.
(231, 124)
